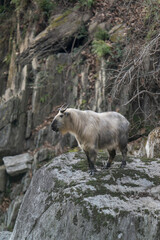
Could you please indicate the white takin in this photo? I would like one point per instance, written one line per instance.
(93, 131)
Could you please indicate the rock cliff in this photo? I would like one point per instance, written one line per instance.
(64, 202)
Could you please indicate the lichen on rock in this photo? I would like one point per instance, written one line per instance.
(66, 203)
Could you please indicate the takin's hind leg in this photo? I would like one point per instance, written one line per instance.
(124, 155)
(112, 154)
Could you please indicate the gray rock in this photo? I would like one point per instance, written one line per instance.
(18, 164)
(5, 133)
(17, 190)
(12, 127)
(25, 182)
(2, 219)
(2, 178)
(5, 235)
(9, 110)
(46, 135)
(29, 124)
(64, 202)
(118, 33)
(152, 146)
(12, 211)
(43, 154)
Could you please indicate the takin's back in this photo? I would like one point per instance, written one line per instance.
(112, 129)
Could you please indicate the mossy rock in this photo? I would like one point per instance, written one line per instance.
(118, 33)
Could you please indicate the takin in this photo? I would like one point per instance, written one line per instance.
(93, 131)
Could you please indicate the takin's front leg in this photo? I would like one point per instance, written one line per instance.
(91, 157)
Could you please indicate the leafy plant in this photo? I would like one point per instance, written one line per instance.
(82, 32)
(45, 6)
(16, 2)
(101, 34)
(7, 59)
(44, 98)
(60, 68)
(101, 48)
(86, 3)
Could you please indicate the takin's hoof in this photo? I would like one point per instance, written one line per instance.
(107, 166)
(123, 165)
(92, 172)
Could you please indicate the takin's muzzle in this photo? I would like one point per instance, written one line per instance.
(54, 126)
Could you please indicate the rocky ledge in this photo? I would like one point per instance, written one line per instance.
(64, 202)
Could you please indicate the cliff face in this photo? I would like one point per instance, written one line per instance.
(57, 57)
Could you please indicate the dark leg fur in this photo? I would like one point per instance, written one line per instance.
(91, 157)
(112, 155)
(124, 154)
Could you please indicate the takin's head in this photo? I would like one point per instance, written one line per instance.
(61, 122)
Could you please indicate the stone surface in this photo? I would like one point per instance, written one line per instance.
(18, 164)
(5, 235)
(43, 154)
(118, 33)
(12, 211)
(137, 147)
(153, 143)
(29, 124)
(9, 111)
(64, 202)
(12, 120)
(2, 178)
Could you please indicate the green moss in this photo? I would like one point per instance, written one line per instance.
(147, 160)
(81, 165)
(75, 220)
(59, 184)
(100, 219)
(59, 215)
(130, 184)
(76, 149)
(156, 180)
(59, 20)
(85, 213)
(123, 213)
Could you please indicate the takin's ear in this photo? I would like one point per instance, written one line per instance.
(66, 114)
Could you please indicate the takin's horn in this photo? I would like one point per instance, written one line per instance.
(63, 108)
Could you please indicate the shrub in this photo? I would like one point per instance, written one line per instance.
(101, 48)
(101, 34)
(86, 3)
(46, 6)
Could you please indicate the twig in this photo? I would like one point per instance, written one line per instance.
(143, 91)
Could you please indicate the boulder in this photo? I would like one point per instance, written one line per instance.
(64, 202)
(118, 33)
(5, 235)
(153, 143)
(18, 164)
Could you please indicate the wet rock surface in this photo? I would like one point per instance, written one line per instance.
(64, 202)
